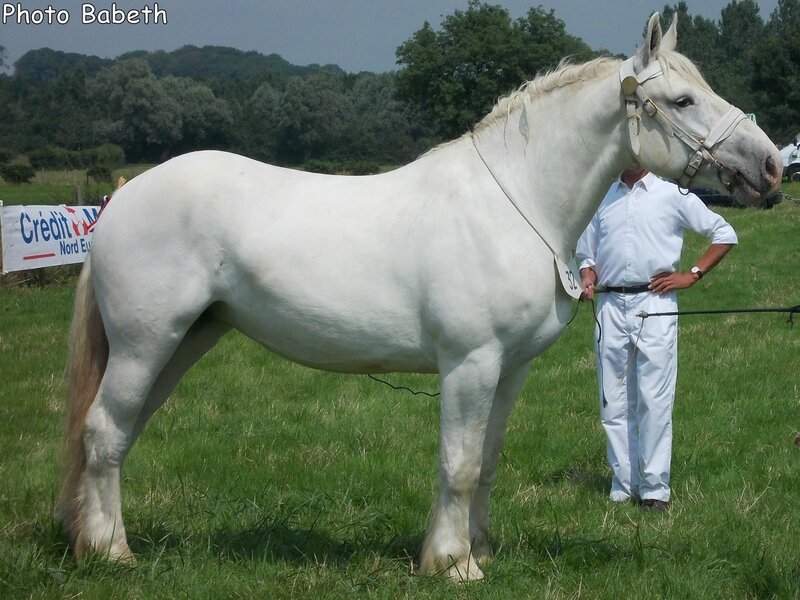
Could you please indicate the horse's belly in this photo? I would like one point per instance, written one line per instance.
(354, 354)
(332, 331)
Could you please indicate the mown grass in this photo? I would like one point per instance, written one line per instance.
(260, 478)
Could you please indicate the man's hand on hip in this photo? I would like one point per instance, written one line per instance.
(668, 282)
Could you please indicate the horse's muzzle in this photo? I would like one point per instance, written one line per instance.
(753, 190)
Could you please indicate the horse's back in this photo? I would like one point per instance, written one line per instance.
(207, 204)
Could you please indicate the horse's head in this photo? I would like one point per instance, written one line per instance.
(680, 129)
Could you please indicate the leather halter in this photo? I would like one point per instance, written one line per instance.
(702, 150)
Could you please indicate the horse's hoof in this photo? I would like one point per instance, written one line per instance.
(464, 571)
(459, 570)
(125, 557)
(118, 554)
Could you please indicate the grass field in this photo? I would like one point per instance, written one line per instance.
(260, 478)
(59, 187)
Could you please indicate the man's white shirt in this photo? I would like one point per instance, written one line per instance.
(647, 223)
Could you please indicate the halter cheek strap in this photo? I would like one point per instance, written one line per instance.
(636, 100)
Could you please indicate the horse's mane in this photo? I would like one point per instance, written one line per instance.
(564, 74)
(567, 73)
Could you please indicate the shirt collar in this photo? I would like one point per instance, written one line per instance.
(646, 182)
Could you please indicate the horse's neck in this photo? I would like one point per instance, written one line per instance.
(555, 156)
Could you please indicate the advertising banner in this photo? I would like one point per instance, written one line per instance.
(45, 236)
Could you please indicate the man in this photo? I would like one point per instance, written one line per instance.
(631, 252)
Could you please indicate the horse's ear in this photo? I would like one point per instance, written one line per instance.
(670, 39)
(652, 42)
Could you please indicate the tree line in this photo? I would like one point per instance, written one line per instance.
(72, 111)
(322, 115)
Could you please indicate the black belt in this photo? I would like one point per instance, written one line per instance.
(628, 289)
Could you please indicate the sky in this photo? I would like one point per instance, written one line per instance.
(358, 35)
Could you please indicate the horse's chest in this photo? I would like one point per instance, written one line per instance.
(515, 303)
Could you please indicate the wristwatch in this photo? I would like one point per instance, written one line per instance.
(696, 271)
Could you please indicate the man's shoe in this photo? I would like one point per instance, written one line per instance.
(652, 505)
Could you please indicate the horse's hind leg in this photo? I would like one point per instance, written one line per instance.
(107, 436)
(133, 387)
(201, 337)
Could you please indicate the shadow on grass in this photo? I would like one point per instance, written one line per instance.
(51, 540)
(591, 481)
(284, 543)
(275, 539)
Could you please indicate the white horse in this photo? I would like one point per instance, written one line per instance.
(446, 265)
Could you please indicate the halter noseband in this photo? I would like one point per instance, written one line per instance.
(637, 99)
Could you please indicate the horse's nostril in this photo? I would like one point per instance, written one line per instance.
(771, 167)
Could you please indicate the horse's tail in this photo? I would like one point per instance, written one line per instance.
(88, 356)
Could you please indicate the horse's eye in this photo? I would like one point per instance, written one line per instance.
(684, 102)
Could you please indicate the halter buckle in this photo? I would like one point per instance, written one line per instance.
(629, 85)
(692, 168)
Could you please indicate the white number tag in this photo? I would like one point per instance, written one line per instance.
(568, 274)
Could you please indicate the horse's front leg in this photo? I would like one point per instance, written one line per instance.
(468, 387)
(506, 395)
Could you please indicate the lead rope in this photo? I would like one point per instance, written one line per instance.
(791, 310)
(402, 388)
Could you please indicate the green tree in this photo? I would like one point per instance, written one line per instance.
(313, 114)
(205, 120)
(742, 30)
(456, 74)
(17, 173)
(383, 128)
(776, 73)
(70, 114)
(545, 41)
(65, 105)
(138, 113)
(38, 113)
(262, 116)
(723, 51)
(44, 64)
(698, 39)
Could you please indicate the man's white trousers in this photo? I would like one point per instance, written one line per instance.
(637, 372)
